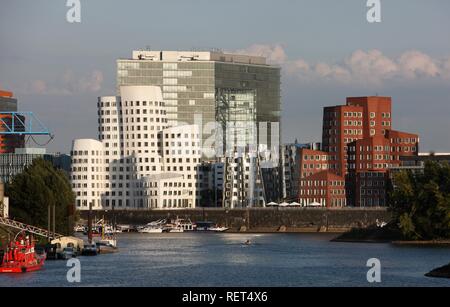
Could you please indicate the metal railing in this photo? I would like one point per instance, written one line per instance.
(29, 228)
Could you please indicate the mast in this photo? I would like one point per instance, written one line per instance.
(90, 223)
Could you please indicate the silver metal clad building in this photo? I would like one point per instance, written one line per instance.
(231, 89)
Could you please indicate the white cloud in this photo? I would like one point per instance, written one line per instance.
(370, 67)
(274, 54)
(68, 84)
(414, 64)
(86, 84)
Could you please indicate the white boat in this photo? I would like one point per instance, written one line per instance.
(177, 229)
(79, 228)
(218, 229)
(151, 229)
(108, 241)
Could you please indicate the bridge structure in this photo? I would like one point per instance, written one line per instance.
(29, 228)
(21, 123)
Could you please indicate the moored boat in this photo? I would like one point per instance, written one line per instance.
(151, 229)
(218, 229)
(90, 249)
(209, 226)
(20, 256)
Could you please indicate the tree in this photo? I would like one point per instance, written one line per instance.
(41, 185)
(421, 202)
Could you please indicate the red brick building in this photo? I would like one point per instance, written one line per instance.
(362, 146)
(324, 188)
(312, 161)
(402, 144)
(360, 118)
(318, 185)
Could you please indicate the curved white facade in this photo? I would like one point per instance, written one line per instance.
(135, 150)
(88, 173)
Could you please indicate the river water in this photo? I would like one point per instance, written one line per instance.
(209, 259)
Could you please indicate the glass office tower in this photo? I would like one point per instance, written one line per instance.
(194, 84)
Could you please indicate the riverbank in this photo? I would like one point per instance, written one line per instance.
(387, 234)
(370, 234)
(441, 272)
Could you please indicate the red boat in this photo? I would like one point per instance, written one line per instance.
(20, 256)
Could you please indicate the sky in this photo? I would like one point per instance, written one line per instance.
(327, 51)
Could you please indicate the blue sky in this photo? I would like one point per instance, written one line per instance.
(327, 51)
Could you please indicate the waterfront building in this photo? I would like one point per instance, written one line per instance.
(362, 146)
(242, 181)
(312, 162)
(139, 162)
(239, 181)
(12, 164)
(9, 142)
(240, 93)
(324, 188)
(291, 167)
(234, 99)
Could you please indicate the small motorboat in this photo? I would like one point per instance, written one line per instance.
(90, 249)
(218, 229)
(248, 242)
(20, 256)
(80, 228)
(108, 241)
(151, 229)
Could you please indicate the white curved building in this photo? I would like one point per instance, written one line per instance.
(88, 173)
(136, 150)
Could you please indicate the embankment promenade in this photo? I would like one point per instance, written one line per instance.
(259, 219)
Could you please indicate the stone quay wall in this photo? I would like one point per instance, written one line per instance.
(258, 219)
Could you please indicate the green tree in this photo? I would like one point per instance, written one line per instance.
(421, 202)
(41, 185)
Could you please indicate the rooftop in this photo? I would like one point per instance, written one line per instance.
(187, 56)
